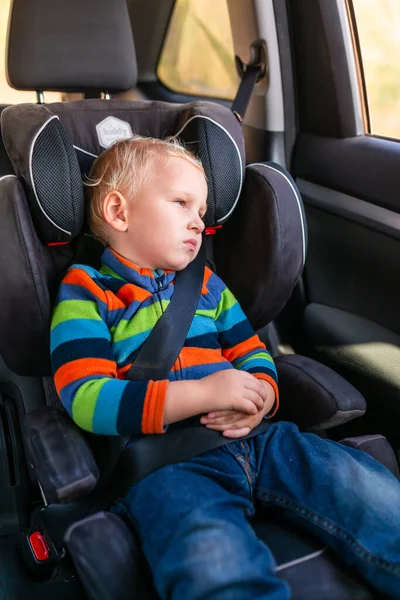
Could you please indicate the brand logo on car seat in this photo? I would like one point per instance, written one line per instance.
(112, 129)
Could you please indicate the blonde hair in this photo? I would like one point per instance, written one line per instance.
(125, 167)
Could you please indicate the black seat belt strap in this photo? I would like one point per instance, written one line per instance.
(161, 349)
(250, 74)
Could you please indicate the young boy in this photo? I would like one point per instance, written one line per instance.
(147, 199)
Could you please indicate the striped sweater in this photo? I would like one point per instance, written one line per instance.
(101, 320)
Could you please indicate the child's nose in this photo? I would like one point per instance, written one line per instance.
(197, 224)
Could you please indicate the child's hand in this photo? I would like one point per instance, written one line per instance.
(232, 390)
(236, 424)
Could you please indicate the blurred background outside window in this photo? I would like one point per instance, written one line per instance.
(378, 26)
(198, 56)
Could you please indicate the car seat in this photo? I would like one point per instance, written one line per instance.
(42, 232)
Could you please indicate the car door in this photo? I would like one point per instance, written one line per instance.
(346, 162)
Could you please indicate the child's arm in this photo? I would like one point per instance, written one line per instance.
(240, 345)
(222, 391)
(85, 371)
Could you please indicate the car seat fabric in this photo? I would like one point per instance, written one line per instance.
(58, 45)
(267, 242)
(43, 157)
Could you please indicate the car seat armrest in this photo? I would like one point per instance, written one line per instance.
(313, 396)
(61, 457)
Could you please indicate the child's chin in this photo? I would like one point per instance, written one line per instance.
(179, 266)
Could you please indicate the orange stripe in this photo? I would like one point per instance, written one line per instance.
(80, 277)
(274, 385)
(131, 265)
(113, 302)
(158, 422)
(153, 408)
(129, 292)
(207, 275)
(190, 357)
(149, 408)
(83, 367)
(253, 343)
(145, 415)
(123, 371)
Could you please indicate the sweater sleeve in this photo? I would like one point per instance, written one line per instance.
(85, 370)
(240, 344)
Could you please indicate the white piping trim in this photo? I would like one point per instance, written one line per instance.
(296, 193)
(9, 175)
(298, 561)
(31, 175)
(237, 150)
(85, 151)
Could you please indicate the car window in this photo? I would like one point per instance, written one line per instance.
(7, 94)
(378, 28)
(198, 56)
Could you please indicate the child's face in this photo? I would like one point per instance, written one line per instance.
(165, 218)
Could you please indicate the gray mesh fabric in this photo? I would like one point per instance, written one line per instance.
(222, 164)
(59, 191)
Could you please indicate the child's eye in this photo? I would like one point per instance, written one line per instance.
(180, 202)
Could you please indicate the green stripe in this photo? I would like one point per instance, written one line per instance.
(226, 302)
(205, 313)
(68, 310)
(262, 355)
(104, 270)
(84, 403)
(144, 320)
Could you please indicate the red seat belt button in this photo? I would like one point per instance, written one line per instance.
(39, 546)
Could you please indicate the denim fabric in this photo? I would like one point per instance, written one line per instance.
(193, 517)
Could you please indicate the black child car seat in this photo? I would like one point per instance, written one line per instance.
(260, 253)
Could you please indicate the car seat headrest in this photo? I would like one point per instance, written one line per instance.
(43, 156)
(71, 46)
(51, 146)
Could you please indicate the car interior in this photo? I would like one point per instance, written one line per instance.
(302, 226)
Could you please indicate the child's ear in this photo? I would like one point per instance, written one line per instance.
(115, 210)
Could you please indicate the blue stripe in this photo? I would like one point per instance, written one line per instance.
(200, 371)
(207, 340)
(124, 350)
(240, 333)
(107, 407)
(201, 325)
(271, 372)
(87, 348)
(216, 287)
(75, 291)
(129, 420)
(73, 330)
(230, 317)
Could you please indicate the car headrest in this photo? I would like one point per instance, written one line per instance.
(84, 46)
(51, 146)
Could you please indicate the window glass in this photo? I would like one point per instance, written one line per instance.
(198, 55)
(378, 26)
(7, 94)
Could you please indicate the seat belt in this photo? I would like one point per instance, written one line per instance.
(250, 74)
(186, 439)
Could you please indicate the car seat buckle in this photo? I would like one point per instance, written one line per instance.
(39, 546)
(39, 555)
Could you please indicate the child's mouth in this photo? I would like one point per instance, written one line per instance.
(192, 244)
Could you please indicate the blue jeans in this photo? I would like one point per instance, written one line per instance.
(193, 517)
